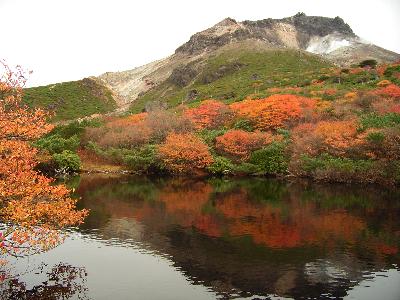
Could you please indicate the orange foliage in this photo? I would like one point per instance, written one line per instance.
(127, 121)
(338, 135)
(209, 114)
(33, 208)
(381, 69)
(240, 144)
(273, 112)
(184, 153)
(383, 83)
(350, 95)
(333, 137)
(390, 90)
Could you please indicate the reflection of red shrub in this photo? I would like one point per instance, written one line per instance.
(208, 225)
(386, 249)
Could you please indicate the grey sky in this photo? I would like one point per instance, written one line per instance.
(63, 40)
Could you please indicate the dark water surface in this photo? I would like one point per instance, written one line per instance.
(206, 239)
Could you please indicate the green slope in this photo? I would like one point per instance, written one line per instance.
(233, 74)
(71, 100)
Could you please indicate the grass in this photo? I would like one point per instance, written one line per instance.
(71, 100)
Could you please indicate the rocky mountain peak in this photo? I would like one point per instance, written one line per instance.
(293, 32)
(226, 22)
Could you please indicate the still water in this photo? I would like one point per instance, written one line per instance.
(221, 239)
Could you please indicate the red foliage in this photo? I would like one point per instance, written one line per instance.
(275, 111)
(390, 90)
(184, 153)
(32, 209)
(240, 144)
(334, 137)
(209, 114)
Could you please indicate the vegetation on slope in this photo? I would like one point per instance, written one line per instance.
(233, 75)
(340, 125)
(71, 100)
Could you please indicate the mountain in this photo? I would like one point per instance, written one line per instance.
(265, 50)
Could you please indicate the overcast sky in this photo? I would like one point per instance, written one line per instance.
(63, 40)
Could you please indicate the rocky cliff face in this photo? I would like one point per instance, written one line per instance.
(294, 32)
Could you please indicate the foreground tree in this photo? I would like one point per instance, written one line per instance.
(32, 210)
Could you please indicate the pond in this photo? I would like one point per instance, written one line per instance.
(158, 238)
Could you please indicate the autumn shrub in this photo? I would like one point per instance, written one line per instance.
(127, 121)
(271, 159)
(383, 83)
(67, 161)
(221, 166)
(390, 90)
(163, 122)
(126, 137)
(239, 144)
(275, 111)
(210, 114)
(334, 137)
(184, 153)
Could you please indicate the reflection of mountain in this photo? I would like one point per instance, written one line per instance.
(252, 237)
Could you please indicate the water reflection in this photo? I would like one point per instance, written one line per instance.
(63, 281)
(250, 236)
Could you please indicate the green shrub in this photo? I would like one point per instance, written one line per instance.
(374, 120)
(243, 124)
(75, 128)
(368, 63)
(57, 144)
(390, 71)
(209, 136)
(337, 169)
(246, 169)
(375, 137)
(271, 159)
(68, 161)
(221, 166)
(143, 160)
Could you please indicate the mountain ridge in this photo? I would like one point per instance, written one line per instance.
(330, 38)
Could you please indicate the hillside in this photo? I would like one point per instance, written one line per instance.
(210, 62)
(72, 100)
(234, 72)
